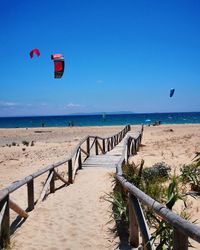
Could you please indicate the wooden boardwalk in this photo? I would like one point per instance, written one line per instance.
(110, 159)
(76, 217)
(91, 151)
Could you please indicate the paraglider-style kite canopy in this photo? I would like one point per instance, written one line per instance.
(34, 51)
(171, 92)
(59, 65)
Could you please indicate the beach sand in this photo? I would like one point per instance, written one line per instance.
(48, 226)
(50, 146)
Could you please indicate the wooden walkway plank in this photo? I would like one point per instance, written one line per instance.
(111, 165)
(103, 159)
(109, 160)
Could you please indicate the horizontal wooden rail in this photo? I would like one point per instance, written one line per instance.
(176, 221)
(73, 162)
(182, 228)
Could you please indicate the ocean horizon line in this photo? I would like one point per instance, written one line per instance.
(100, 113)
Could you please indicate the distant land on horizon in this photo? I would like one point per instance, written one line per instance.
(127, 113)
(106, 113)
(100, 113)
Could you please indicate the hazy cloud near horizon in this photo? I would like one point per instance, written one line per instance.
(37, 108)
(8, 104)
(72, 105)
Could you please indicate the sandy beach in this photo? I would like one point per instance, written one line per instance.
(174, 144)
(50, 146)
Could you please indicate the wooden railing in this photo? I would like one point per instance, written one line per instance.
(182, 229)
(90, 145)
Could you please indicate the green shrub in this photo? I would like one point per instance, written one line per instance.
(159, 171)
(156, 182)
(119, 206)
(197, 159)
(191, 173)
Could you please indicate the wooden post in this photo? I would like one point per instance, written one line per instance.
(5, 223)
(70, 172)
(180, 240)
(132, 146)
(30, 191)
(127, 150)
(108, 143)
(114, 140)
(135, 146)
(121, 136)
(79, 160)
(133, 226)
(52, 182)
(126, 153)
(111, 142)
(96, 147)
(146, 237)
(138, 144)
(104, 146)
(88, 146)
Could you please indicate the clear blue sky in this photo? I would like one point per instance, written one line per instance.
(120, 55)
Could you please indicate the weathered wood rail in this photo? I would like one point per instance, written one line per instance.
(88, 146)
(182, 229)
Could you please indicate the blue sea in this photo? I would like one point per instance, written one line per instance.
(99, 120)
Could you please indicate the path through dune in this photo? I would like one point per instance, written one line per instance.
(74, 217)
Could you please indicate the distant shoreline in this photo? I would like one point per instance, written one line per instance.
(100, 114)
(100, 120)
